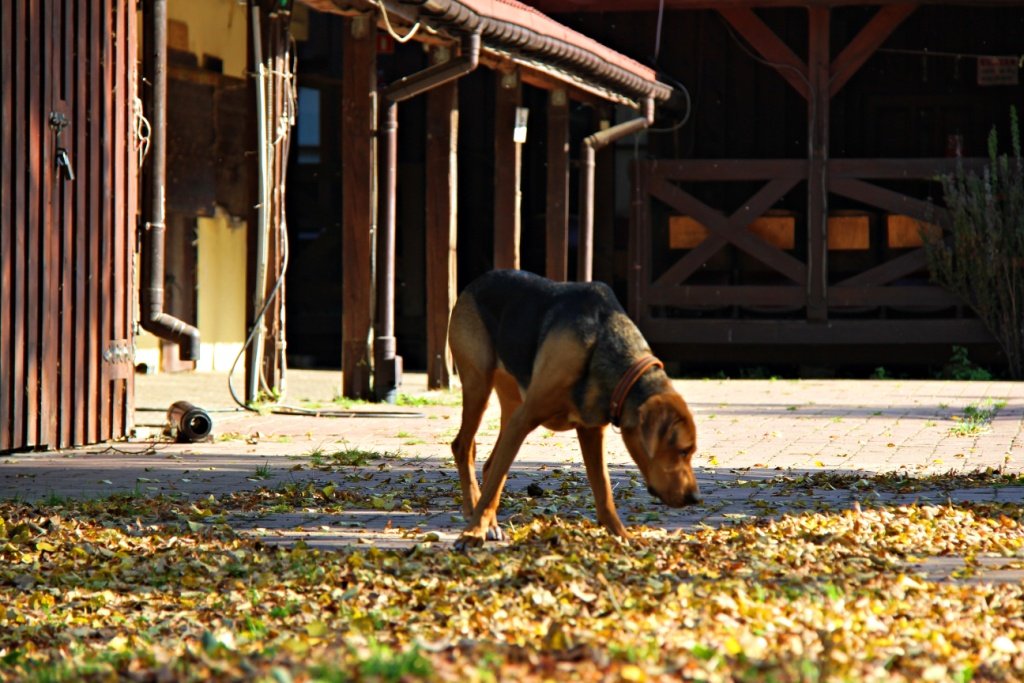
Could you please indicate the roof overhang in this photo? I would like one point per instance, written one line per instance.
(571, 6)
(513, 34)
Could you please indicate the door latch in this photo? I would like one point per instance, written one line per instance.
(64, 164)
(58, 122)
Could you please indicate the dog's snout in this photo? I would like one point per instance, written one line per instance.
(682, 499)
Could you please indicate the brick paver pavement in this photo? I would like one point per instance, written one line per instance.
(766, 447)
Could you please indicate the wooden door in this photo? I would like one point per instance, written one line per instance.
(68, 189)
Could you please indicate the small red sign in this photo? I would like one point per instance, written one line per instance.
(998, 71)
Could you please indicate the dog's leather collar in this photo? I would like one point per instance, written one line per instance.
(626, 382)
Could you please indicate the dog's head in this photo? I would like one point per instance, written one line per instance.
(661, 442)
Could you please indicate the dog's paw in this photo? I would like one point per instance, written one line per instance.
(495, 533)
(469, 540)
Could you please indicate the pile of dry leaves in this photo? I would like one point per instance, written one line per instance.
(162, 589)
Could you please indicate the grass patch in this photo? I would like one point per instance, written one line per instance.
(434, 398)
(262, 471)
(976, 418)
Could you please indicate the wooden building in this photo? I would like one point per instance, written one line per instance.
(68, 200)
(102, 182)
(783, 221)
(527, 55)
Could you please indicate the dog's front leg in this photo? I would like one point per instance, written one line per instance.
(592, 447)
(486, 512)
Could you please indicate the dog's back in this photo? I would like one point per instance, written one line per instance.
(519, 310)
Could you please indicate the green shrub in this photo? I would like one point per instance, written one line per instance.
(981, 257)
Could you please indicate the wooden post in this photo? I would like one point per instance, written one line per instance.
(557, 217)
(358, 120)
(818, 67)
(507, 172)
(441, 222)
(602, 239)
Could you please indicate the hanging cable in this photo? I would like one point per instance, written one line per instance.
(689, 107)
(141, 129)
(757, 58)
(280, 148)
(657, 34)
(391, 30)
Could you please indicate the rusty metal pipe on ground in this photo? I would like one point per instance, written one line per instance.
(588, 165)
(154, 318)
(188, 423)
(387, 369)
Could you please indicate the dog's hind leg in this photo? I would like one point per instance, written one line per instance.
(474, 402)
(592, 447)
(483, 521)
(510, 399)
(475, 362)
(556, 369)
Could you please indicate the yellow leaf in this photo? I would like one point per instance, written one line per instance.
(316, 629)
(296, 646)
(631, 672)
(118, 643)
(45, 546)
(732, 646)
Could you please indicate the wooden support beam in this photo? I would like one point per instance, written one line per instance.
(769, 45)
(731, 229)
(817, 174)
(507, 172)
(867, 41)
(358, 120)
(441, 222)
(557, 217)
(768, 333)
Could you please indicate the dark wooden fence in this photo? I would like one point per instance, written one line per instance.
(67, 244)
(739, 272)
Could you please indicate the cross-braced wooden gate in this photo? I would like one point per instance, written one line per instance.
(704, 275)
(842, 263)
(67, 221)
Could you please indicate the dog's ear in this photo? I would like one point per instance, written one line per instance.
(666, 418)
(654, 423)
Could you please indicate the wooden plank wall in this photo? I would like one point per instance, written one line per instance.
(66, 246)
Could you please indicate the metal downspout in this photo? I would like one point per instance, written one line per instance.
(588, 156)
(154, 319)
(386, 364)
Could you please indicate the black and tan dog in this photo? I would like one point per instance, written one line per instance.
(565, 356)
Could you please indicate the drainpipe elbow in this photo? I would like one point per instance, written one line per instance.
(649, 110)
(166, 326)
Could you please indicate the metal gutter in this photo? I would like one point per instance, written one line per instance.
(153, 317)
(588, 165)
(386, 364)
